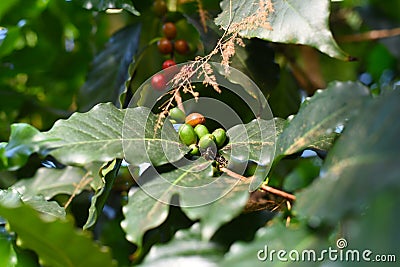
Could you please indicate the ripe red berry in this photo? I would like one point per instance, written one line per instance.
(181, 46)
(164, 46)
(168, 63)
(158, 82)
(169, 30)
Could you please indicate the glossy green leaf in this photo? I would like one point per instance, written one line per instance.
(254, 141)
(319, 116)
(101, 5)
(107, 173)
(49, 238)
(147, 206)
(24, 140)
(106, 80)
(201, 196)
(276, 237)
(87, 137)
(210, 215)
(50, 209)
(362, 164)
(143, 144)
(186, 248)
(51, 182)
(292, 21)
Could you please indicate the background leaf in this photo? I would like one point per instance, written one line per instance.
(106, 80)
(293, 21)
(276, 237)
(349, 181)
(186, 248)
(49, 238)
(319, 116)
(87, 137)
(51, 182)
(24, 140)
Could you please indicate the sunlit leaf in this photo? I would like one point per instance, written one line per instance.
(51, 182)
(319, 116)
(200, 195)
(24, 140)
(87, 137)
(292, 21)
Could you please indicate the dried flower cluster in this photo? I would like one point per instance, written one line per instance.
(182, 82)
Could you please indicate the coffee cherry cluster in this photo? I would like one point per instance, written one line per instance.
(194, 133)
(167, 45)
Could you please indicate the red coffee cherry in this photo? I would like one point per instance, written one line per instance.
(168, 63)
(181, 46)
(158, 82)
(169, 30)
(164, 46)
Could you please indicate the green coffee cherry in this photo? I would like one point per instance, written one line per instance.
(206, 141)
(220, 137)
(177, 114)
(187, 134)
(201, 130)
(194, 150)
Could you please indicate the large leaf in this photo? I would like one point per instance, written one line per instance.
(293, 21)
(106, 80)
(211, 217)
(24, 140)
(363, 163)
(201, 196)
(50, 209)
(51, 182)
(10, 254)
(108, 173)
(57, 243)
(87, 137)
(320, 115)
(254, 141)
(276, 237)
(101, 5)
(383, 214)
(185, 249)
(143, 144)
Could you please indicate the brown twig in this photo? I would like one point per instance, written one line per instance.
(263, 187)
(277, 192)
(82, 183)
(370, 35)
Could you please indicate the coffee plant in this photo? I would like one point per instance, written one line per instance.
(199, 132)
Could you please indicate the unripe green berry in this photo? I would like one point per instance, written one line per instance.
(220, 137)
(194, 150)
(201, 130)
(207, 141)
(187, 134)
(177, 114)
